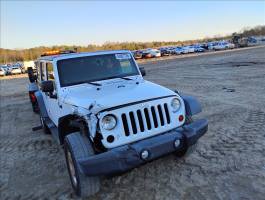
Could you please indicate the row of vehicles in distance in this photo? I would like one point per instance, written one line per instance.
(220, 45)
(15, 68)
(177, 50)
(11, 69)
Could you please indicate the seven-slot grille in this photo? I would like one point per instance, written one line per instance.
(145, 119)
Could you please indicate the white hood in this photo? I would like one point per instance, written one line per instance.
(114, 94)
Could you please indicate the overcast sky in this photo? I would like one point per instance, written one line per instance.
(27, 24)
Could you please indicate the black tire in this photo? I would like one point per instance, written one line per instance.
(35, 108)
(45, 128)
(185, 152)
(77, 147)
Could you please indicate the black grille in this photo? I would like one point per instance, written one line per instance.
(146, 119)
(125, 125)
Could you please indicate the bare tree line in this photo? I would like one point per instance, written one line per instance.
(8, 55)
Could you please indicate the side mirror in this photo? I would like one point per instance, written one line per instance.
(47, 86)
(142, 70)
(31, 75)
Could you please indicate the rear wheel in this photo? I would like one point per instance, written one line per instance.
(35, 108)
(77, 147)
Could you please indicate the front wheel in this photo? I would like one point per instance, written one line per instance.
(185, 152)
(77, 147)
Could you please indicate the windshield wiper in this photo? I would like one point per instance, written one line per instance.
(92, 83)
(126, 78)
(88, 82)
(111, 77)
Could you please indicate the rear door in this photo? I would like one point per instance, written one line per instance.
(51, 100)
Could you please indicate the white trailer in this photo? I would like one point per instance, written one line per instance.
(27, 64)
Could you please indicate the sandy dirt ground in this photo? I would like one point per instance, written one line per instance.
(229, 162)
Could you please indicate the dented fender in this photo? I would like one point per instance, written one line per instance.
(90, 115)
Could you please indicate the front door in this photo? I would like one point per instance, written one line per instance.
(51, 100)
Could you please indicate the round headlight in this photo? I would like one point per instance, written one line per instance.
(175, 104)
(109, 122)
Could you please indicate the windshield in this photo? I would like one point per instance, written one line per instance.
(94, 68)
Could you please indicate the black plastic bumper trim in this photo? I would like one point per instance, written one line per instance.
(126, 157)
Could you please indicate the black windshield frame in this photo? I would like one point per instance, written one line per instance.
(63, 63)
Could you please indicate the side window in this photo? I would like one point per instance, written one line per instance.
(38, 71)
(42, 74)
(50, 72)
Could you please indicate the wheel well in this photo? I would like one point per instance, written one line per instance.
(69, 124)
(73, 123)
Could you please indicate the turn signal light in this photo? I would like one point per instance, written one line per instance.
(181, 118)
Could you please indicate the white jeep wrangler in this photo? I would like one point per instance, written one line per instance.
(107, 117)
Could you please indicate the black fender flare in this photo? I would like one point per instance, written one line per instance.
(68, 124)
(42, 107)
(192, 105)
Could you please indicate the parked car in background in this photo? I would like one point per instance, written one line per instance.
(204, 45)
(178, 50)
(219, 46)
(223, 45)
(3, 71)
(164, 51)
(191, 49)
(171, 50)
(199, 49)
(252, 40)
(188, 49)
(216, 46)
(137, 54)
(155, 53)
(185, 50)
(146, 53)
(18, 65)
(211, 45)
(8, 68)
(151, 53)
(16, 70)
(229, 45)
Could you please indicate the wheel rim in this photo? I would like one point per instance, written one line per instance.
(71, 168)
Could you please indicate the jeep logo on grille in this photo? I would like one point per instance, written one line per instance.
(144, 105)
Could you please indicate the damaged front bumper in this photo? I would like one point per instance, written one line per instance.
(129, 156)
